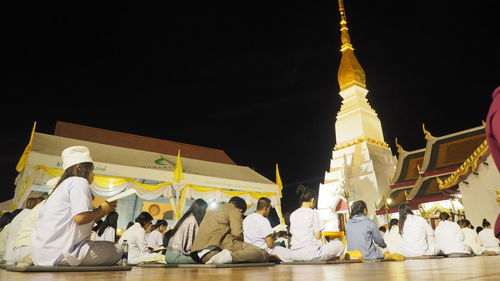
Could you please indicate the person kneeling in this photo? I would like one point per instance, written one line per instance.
(220, 237)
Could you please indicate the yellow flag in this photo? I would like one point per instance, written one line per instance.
(27, 150)
(178, 168)
(278, 180)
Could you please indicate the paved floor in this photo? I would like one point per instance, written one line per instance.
(473, 268)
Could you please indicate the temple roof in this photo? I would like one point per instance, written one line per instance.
(407, 169)
(467, 167)
(418, 175)
(443, 155)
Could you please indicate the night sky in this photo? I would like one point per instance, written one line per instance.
(255, 79)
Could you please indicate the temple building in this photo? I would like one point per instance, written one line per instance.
(420, 176)
(452, 173)
(362, 162)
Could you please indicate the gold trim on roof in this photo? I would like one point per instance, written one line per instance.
(360, 140)
(426, 133)
(470, 163)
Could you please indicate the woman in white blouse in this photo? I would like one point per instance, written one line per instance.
(471, 238)
(417, 236)
(136, 239)
(392, 237)
(306, 227)
(107, 230)
(449, 236)
(488, 240)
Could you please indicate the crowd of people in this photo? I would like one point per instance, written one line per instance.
(65, 229)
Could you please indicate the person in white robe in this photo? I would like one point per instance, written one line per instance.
(306, 228)
(136, 239)
(155, 238)
(257, 231)
(488, 240)
(471, 238)
(62, 232)
(392, 237)
(417, 236)
(11, 256)
(107, 230)
(449, 236)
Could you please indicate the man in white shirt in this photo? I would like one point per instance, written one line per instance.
(257, 231)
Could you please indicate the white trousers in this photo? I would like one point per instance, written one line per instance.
(283, 253)
(102, 253)
(324, 252)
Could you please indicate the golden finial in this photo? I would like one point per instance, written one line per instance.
(350, 71)
(400, 148)
(426, 133)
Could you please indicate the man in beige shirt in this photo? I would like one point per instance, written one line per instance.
(220, 237)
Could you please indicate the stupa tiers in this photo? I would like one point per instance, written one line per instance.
(362, 163)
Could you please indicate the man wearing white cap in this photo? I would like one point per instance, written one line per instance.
(62, 232)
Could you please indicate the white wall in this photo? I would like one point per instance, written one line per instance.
(479, 196)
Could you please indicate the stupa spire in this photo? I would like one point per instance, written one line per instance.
(350, 71)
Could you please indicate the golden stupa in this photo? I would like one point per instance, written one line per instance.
(350, 71)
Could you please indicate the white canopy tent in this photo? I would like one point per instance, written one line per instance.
(118, 168)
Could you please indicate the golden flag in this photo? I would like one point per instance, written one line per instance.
(278, 180)
(178, 168)
(27, 150)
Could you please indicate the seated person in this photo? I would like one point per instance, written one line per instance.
(220, 237)
(306, 227)
(471, 238)
(392, 238)
(136, 238)
(362, 233)
(179, 240)
(155, 238)
(107, 230)
(488, 240)
(416, 234)
(449, 236)
(61, 235)
(257, 231)
(9, 257)
(22, 245)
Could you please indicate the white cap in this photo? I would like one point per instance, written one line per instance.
(75, 155)
(52, 183)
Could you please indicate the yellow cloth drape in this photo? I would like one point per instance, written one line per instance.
(22, 161)
(178, 168)
(278, 181)
(108, 181)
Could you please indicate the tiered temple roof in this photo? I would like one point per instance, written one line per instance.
(419, 172)
(443, 155)
(405, 177)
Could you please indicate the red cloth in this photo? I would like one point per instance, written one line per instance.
(497, 227)
(493, 127)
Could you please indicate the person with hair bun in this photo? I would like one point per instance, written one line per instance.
(471, 238)
(136, 238)
(488, 240)
(449, 236)
(392, 238)
(155, 238)
(306, 227)
(417, 236)
(362, 233)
